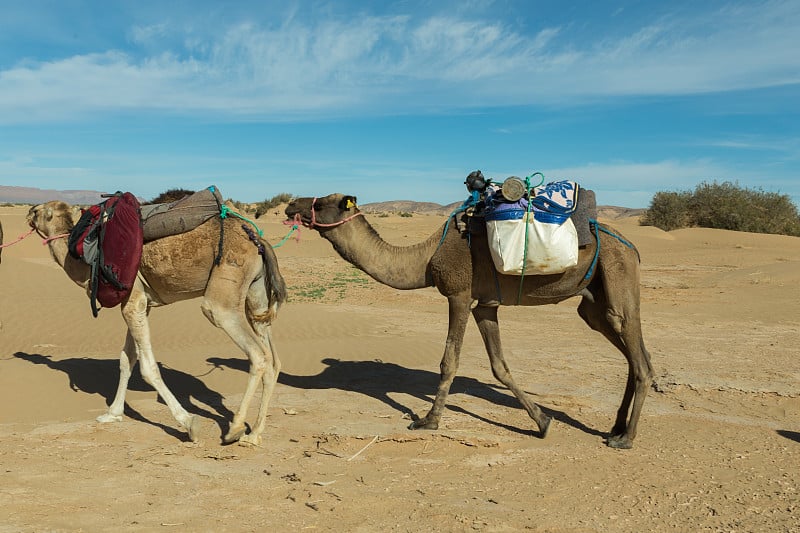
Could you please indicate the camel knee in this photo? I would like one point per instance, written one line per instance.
(208, 310)
(150, 373)
(616, 320)
(258, 366)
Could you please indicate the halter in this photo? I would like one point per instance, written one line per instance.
(314, 223)
(48, 240)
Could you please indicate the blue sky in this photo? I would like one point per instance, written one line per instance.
(399, 100)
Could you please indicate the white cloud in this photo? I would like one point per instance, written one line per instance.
(399, 64)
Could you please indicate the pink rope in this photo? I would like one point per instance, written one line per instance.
(19, 239)
(315, 223)
(295, 224)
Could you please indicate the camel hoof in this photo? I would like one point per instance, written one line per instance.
(250, 440)
(423, 424)
(193, 429)
(619, 442)
(105, 418)
(234, 435)
(544, 427)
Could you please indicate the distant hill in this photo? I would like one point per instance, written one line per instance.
(408, 206)
(32, 195)
(609, 212)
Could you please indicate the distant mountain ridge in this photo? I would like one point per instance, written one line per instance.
(32, 195)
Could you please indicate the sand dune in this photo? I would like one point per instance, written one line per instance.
(718, 447)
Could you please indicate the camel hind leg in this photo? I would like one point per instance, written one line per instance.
(224, 306)
(259, 315)
(614, 312)
(486, 318)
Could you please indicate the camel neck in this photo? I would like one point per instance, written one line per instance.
(77, 270)
(400, 267)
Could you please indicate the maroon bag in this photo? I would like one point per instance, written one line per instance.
(108, 237)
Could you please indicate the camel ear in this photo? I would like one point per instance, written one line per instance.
(48, 213)
(347, 203)
(75, 213)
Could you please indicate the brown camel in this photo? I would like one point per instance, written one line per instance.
(463, 271)
(241, 295)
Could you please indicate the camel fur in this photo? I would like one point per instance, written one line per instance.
(241, 295)
(462, 270)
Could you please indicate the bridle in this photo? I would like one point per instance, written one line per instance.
(314, 224)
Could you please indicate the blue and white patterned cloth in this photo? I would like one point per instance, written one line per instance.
(552, 203)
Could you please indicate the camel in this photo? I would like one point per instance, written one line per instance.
(1, 243)
(462, 270)
(241, 295)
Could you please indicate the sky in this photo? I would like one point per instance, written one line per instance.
(399, 100)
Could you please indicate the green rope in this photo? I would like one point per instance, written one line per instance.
(528, 189)
(224, 211)
(525, 249)
(541, 180)
(283, 241)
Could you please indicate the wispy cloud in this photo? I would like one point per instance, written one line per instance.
(398, 63)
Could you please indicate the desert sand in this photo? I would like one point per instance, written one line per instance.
(718, 447)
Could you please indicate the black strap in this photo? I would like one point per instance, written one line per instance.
(221, 231)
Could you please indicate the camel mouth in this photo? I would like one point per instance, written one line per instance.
(294, 215)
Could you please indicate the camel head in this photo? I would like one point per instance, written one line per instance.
(53, 218)
(326, 211)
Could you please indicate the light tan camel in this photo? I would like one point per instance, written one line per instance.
(463, 271)
(241, 295)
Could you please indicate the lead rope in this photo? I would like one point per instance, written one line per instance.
(19, 239)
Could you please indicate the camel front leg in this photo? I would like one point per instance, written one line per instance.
(127, 360)
(486, 318)
(458, 314)
(135, 313)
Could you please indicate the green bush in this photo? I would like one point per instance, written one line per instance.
(278, 199)
(724, 206)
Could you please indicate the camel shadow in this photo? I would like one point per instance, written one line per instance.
(378, 379)
(101, 376)
(791, 435)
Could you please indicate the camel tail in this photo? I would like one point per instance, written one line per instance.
(273, 282)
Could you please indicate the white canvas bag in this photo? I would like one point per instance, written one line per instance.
(552, 248)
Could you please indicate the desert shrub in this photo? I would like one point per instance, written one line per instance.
(405, 214)
(724, 206)
(240, 206)
(668, 211)
(278, 199)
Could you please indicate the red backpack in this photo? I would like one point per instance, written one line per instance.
(108, 237)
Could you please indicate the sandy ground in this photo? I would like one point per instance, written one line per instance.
(718, 447)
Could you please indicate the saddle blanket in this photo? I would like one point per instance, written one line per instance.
(180, 216)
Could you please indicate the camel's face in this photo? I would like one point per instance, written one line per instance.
(325, 210)
(45, 217)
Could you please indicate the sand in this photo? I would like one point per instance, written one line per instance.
(718, 446)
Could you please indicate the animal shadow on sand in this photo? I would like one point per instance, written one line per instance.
(791, 435)
(100, 376)
(377, 379)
